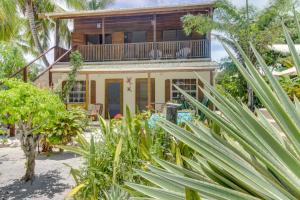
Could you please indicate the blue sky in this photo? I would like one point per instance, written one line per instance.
(217, 50)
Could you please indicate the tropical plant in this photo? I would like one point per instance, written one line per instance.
(31, 109)
(250, 158)
(243, 24)
(70, 123)
(291, 86)
(111, 156)
(97, 4)
(76, 62)
(9, 22)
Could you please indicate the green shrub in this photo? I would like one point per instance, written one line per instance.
(111, 156)
(70, 123)
(291, 86)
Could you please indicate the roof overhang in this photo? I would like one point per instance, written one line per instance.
(288, 72)
(138, 68)
(128, 11)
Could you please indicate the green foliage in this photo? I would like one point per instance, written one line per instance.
(11, 60)
(250, 158)
(69, 124)
(230, 81)
(97, 4)
(111, 157)
(262, 28)
(24, 103)
(76, 63)
(291, 86)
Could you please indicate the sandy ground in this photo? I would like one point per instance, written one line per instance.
(52, 181)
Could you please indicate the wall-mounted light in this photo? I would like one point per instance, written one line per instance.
(99, 25)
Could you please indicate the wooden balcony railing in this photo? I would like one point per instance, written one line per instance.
(145, 51)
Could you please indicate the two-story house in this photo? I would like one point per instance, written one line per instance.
(133, 57)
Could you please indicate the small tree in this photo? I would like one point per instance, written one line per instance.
(31, 109)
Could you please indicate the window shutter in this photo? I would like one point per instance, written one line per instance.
(167, 90)
(93, 92)
(200, 93)
(153, 92)
(63, 84)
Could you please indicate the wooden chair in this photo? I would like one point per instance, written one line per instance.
(95, 110)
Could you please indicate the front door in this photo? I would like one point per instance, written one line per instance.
(113, 97)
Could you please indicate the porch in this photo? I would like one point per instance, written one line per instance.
(187, 49)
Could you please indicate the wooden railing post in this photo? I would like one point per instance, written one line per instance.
(25, 74)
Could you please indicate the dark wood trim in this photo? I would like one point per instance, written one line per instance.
(103, 31)
(211, 77)
(167, 90)
(93, 90)
(57, 35)
(87, 91)
(149, 91)
(107, 81)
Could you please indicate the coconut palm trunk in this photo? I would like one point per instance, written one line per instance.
(31, 20)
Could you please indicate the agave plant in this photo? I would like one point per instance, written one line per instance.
(250, 159)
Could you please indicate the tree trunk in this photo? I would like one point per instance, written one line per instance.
(28, 144)
(31, 20)
(250, 98)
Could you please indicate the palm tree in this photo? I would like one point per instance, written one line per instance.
(9, 21)
(97, 4)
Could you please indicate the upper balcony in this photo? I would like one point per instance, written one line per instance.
(135, 34)
(188, 49)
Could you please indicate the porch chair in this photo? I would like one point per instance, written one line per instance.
(183, 53)
(94, 110)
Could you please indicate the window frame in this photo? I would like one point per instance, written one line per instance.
(77, 94)
(190, 83)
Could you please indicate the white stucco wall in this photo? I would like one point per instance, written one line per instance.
(129, 97)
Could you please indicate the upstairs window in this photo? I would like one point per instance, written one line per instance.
(170, 35)
(92, 39)
(175, 35)
(97, 39)
(135, 37)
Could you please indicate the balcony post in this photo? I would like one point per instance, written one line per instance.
(103, 31)
(154, 37)
(25, 74)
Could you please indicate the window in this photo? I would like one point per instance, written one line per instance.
(188, 85)
(97, 39)
(181, 35)
(173, 35)
(170, 35)
(77, 94)
(135, 37)
(92, 39)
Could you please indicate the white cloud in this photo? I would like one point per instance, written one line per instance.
(143, 3)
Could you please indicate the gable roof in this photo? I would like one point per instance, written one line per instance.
(129, 11)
